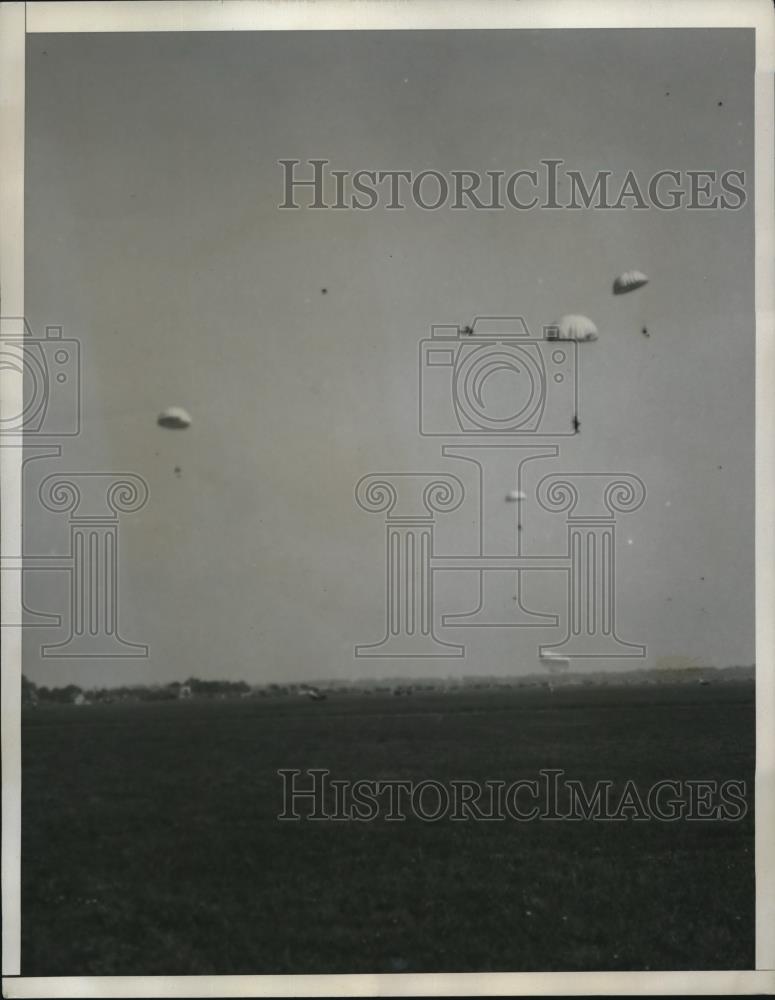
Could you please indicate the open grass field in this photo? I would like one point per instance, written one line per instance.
(151, 843)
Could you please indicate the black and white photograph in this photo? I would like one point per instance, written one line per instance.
(386, 444)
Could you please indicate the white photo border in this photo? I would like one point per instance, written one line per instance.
(17, 19)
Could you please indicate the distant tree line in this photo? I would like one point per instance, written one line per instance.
(666, 672)
(33, 694)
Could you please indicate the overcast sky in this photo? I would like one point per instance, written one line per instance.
(153, 236)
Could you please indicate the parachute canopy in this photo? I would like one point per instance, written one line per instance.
(573, 327)
(553, 661)
(513, 496)
(174, 417)
(628, 281)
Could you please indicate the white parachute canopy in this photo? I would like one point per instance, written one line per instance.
(514, 496)
(553, 661)
(575, 327)
(174, 417)
(628, 281)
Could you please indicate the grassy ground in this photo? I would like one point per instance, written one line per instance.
(151, 844)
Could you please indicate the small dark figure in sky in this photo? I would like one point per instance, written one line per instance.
(324, 291)
(645, 332)
(178, 471)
